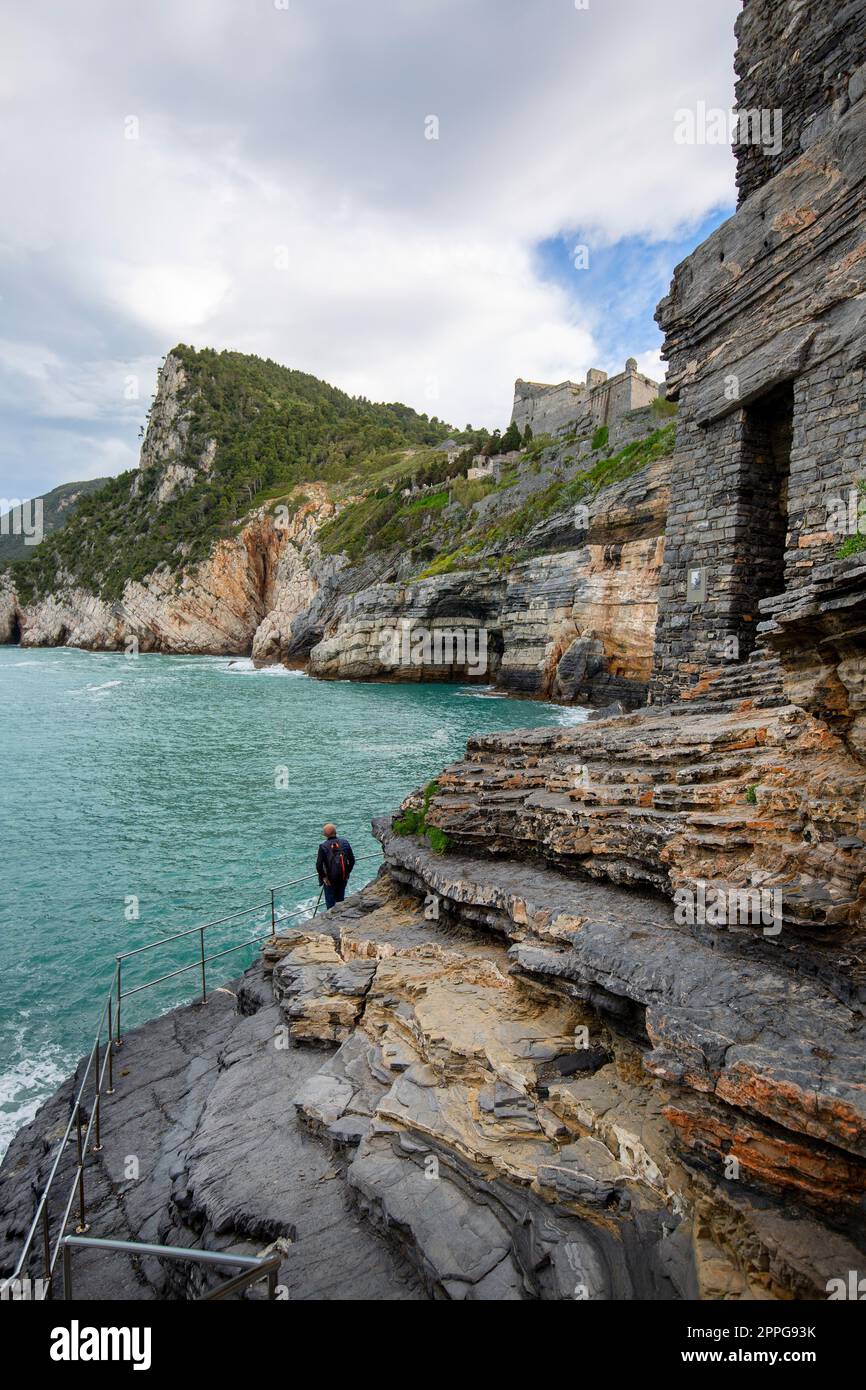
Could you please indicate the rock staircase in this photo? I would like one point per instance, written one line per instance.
(759, 679)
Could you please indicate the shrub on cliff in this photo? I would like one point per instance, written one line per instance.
(414, 822)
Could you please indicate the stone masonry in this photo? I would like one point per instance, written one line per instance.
(765, 330)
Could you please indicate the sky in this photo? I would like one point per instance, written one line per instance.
(417, 200)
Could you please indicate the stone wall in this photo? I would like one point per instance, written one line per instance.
(546, 409)
(766, 338)
(803, 60)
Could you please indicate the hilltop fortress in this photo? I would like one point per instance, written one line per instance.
(600, 400)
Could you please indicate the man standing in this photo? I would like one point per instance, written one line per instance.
(334, 862)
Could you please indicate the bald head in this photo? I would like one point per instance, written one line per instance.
(329, 831)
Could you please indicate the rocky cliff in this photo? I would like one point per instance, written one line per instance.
(553, 570)
(233, 602)
(573, 622)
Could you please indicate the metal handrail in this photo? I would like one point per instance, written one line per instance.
(255, 1267)
(190, 931)
(110, 1013)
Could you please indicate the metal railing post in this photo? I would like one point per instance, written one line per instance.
(119, 1040)
(203, 980)
(46, 1249)
(67, 1271)
(97, 1146)
(109, 1090)
(82, 1210)
(273, 914)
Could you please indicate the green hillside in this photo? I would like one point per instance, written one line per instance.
(469, 523)
(58, 507)
(274, 428)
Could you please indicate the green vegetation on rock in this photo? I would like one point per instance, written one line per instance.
(584, 485)
(856, 543)
(414, 822)
(273, 428)
(58, 508)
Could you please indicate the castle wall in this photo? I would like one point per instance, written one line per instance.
(609, 402)
(602, 400)
(546, 408)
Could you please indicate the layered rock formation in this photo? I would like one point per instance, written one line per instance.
(610, 1042)
(766, 338)
(669, 798)
(575, 622)
(484, 1081)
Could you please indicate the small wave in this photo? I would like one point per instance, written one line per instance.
(25, 1086)
(574, 715)
(95, 690)
(245, 666)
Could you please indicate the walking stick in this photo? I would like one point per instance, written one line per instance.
(319, 899)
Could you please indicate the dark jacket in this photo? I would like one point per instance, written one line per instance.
(326, 856)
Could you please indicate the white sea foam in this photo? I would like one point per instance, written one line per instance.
(96, 690)
(571, 714)
(25, 1086)
(245, 666)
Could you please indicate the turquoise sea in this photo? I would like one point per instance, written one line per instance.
(181, 789)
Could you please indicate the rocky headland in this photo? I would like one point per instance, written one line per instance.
(556, 555)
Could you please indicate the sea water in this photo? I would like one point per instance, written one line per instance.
(140, 797)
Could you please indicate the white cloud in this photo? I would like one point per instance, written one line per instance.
(281, 197)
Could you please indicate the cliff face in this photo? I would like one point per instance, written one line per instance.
(529, 1085)
(231, 603)
(576, 625)
(8, 611)
(575, 622)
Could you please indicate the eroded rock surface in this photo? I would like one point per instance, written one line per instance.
(485, 1080)
(731, 794)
